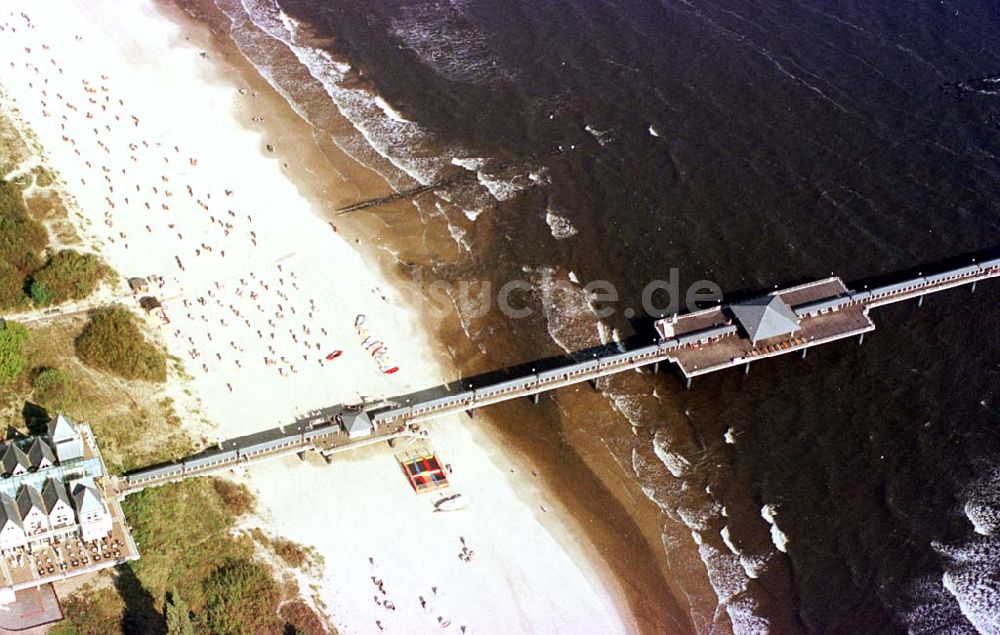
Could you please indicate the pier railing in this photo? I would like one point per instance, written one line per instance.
(393, 421)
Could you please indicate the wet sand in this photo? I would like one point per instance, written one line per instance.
(613, 520)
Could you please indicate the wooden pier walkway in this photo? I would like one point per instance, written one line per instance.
(320, 432)
(781, 322)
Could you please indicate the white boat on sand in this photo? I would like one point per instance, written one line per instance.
(451, 503)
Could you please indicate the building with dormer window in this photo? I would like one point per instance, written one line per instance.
(59, 515)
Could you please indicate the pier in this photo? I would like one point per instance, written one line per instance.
(733, 335)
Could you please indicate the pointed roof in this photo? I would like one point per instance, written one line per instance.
(29, 498)
(765, 317)
(355, 422)
(40, 450)
(86, 498)
(52, 492)
(12, 457)
(61, 428)
(9, 513)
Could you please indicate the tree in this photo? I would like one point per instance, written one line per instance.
(241, 597)
(12, 338)
(39, 294)
(51, 388)
(111, 341)
(68, 275)
(178, 615)
(22, 238)
(11, 286)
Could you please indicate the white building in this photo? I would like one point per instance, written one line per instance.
(48, 489)
(91, 511)
(65, 438)
(11, 528)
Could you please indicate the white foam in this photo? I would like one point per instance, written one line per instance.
(674, 461)
(472, 164)
(985, 518)
(603, 136)
(724, 572)
(754, 565)
(978, 597)
(726, 538)
(560, 226)
(653, 131)
(389, 110)
(501, 188)
(458, 235)
(778, 537)
(730, 436)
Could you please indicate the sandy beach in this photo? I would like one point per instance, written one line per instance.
(259, 291)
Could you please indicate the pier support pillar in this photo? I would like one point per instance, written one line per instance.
(471, 412)
(920, 301)
(974, 285)
(861, 339)
(804, 351)
(535, 397)
(689, 383)
(746, 369)
(656, 365)
(593, 384)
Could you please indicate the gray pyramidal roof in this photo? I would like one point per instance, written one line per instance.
(12, 456)
(86, 498)
(29, 497)
(40, 450)
(9, 513)
(52, 492)
(356, 422)
(61, 428)
(765, 317)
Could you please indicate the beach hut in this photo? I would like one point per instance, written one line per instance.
(138, 285)
(154, 308)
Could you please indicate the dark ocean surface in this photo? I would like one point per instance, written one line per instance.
(750, 143)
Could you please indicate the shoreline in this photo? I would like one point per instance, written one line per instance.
(125, 265)
(640, 517)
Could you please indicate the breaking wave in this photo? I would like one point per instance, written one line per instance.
(664, 469)
(560, 226)
(437, 32)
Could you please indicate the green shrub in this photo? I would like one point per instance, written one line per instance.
(39, 294)
(22, 239)
(241, 597)
(43, 177)
(236, 498)
(11, 287)
(186, 536)
(51, 388)
(91, 612)
(68, 275)
(12, 339)
(177, 615)
(112, 342)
